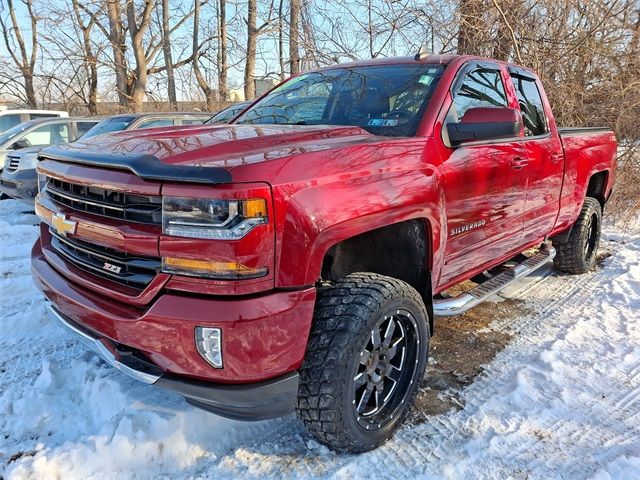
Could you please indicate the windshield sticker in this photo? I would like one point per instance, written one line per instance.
(426, 79)
(383, 122)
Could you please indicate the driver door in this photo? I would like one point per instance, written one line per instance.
(484, 185)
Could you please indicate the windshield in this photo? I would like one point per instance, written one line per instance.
(12, 132)
(384, 100)
(114, 124)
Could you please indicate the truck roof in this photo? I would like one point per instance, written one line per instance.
(408, 60)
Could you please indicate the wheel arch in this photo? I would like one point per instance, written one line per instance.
(402, 250)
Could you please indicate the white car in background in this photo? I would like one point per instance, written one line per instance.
(11, 118)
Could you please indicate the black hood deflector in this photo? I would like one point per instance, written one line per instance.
(147, 167)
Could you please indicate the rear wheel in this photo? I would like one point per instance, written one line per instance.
(365, 360)
(578, 253)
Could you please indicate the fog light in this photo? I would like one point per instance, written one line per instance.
(209, 344)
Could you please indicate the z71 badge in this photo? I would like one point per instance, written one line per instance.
(109, 267)
(466, 228)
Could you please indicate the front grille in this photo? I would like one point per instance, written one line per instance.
(105, 262)
(12, 162)
(108, 203)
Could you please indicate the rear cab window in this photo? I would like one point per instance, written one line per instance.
(531, 106)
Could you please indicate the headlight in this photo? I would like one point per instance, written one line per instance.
(28, 161)
(211, 219)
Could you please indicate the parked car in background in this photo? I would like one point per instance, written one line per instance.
(11, 118)
(19, 179)
(135, 121)
(229, 113)
(18, 175)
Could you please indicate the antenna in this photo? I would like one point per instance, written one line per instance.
(422, 53)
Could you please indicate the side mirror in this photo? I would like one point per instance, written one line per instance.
(18, 144)
(485, 123)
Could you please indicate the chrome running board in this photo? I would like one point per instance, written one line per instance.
(448, 307)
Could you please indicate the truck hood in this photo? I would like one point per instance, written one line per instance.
(222, 146)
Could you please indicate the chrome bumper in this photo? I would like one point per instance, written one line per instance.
(96, 345)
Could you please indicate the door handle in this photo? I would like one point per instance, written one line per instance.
(519, 163)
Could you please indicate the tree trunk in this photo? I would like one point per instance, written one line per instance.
(168, 61)
(116, 38)
(137, 34)
(89, 60)
(281, 39)
(294, 35)
(252, 40)
(202, 82)
(222, 49)
(470, 35)
(504, 45)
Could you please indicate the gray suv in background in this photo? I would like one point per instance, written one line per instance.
(19, 147)
(136, 121)
(19, 178)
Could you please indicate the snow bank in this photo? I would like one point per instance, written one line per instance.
(562, 400)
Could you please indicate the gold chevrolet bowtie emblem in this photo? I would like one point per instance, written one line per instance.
(62, 225)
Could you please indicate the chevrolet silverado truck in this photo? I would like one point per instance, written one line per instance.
(294, 259)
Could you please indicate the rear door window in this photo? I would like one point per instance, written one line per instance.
(531, 106)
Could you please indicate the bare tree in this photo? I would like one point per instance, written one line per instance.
(202, 82)
(252, 39)
(138, 25)
(168, 61)
(24, 61)
(90, 62)
(223, 66)
(117, 36)
(471, 30)
(294, 35)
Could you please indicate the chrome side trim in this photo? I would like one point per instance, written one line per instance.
(449, 307)
(98, 347)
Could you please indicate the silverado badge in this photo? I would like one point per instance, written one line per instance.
(61, 225)
(466, 228)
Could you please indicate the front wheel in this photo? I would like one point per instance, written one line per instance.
(365, 360)
(578, 253)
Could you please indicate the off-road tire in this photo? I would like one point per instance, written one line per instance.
(578, 253)
(346, 314)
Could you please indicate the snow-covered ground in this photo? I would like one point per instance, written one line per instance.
(562, 400)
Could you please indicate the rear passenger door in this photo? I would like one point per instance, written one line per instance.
(544, 165)
(483, 191)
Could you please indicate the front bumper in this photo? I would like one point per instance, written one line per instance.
(263, 342)
(20, 184)
(257, 401)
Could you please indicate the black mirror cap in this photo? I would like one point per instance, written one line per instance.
(472, 132)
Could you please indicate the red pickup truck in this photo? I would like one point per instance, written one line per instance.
(295, 259)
